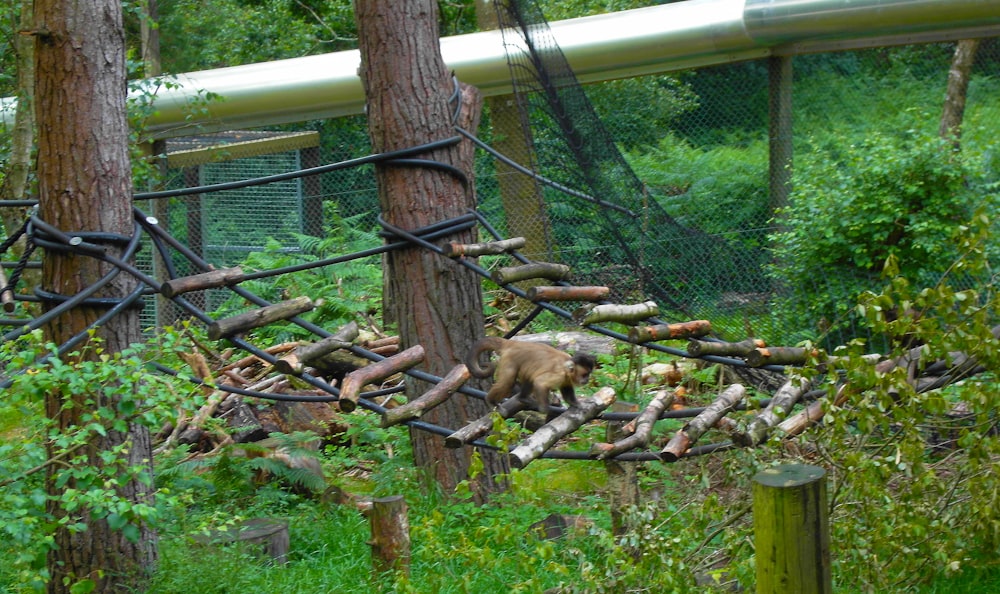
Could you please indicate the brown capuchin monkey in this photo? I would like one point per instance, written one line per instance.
(534, 368)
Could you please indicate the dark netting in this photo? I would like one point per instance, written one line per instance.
(633, 245)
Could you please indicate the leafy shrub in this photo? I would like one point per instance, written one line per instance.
(120, 393)
(855, 204)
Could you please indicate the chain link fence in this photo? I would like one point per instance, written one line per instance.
(682, 157)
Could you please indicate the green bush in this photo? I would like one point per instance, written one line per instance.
(856, 204)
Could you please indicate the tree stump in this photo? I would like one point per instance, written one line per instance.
(390, 541)
(268, 535)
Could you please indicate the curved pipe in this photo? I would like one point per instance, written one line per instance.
(650, 40)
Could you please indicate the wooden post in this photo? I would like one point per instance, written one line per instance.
(791, 530)
(623, 486)
(390, 535)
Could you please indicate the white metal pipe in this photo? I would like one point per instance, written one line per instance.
(630, 43)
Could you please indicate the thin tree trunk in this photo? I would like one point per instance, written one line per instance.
(15, 184)
(432, 300)
(957, 92)
(84, 185)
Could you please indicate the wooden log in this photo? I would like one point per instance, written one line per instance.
(779, 356)
(270, 534)
(431, 398)
(252, 359)
(777, 410)
(212, 279)
(243, 423)
(513, 274)
(700, 348)
(812, 413)
(546, 293)
(613, 312)
(381, 343)
(571, 420)
(472, 250)
(259, 317)
(708, 418)
(295, 362)
(692, 329)
(792, 530)
(481, 426)
(643, 428)
(356, 380)
(390, 542)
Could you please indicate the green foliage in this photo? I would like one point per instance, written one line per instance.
(642, 108)
(243, 32)
(343, 291)
(913, 475)
(114, 392)
(716, 191)
(855, 205)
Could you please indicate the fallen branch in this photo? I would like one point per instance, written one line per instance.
(431, 398)
(566, 423)
(643, 428)
(708, 418)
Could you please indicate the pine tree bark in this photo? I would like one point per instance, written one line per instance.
(432, 300)
(85, 185)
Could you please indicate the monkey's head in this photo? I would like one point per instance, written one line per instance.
(580, 367)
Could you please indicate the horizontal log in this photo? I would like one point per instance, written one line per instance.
(613, 312)
(575, 416)
(259, 317)
(567, 293)
(354, 381)
(701, 348)
(296, 361)
(212, 279)
(692, 329)
(429, 399)
(513, 274)
(472, 250)
(779, 356)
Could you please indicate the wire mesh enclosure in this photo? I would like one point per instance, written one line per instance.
(673, 188)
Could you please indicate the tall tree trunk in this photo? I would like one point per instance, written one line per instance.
(432, 300)
(957, 92)
(84, 185)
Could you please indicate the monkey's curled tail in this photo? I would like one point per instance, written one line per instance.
(484, 345)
